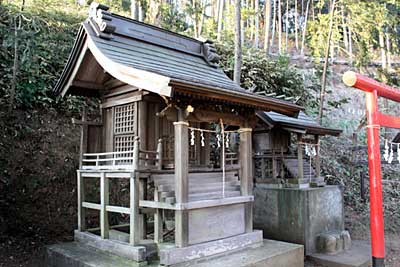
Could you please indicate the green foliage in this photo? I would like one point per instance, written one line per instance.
(44, 40)
(262, 74)
(172, 19)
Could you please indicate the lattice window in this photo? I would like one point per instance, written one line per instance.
(124, 119)
(124, 142)
(124, 130)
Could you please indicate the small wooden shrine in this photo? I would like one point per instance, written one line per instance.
(175, 135)
(279, 162)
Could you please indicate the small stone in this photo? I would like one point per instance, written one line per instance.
(345, 236)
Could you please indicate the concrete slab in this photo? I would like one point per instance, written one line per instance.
(359, 255)
(271, 254)
(78, 255)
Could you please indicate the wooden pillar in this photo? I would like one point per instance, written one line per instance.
(300, 156)
(205, 151)
(158, 220)
(246, 175)
(84, 137)
(104, 201)
(134, 225)
(143, 125)
(181, 181)
(317, 158)
(274, 164)
(81, 198)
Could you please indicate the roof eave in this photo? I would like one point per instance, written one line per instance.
(259, 102)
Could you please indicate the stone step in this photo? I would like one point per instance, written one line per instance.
(271, 254)
(75, 254)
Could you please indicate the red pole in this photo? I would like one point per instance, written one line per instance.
(373, 89)
(375, 181)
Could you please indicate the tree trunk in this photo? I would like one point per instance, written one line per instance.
(201, 22)
(345, 36)
(326, 63)
(273, 28)
(382, 47)
(17, 26)
(388, 51)
(140, 11)
(134, 9)
(220, 15)
(296, 25)
(279, 27)
(287, 27)
(256, 23)
(303, 37)
(238, 43)
(267, 25)
(350, 42)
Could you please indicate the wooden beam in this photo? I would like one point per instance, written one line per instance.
(104, 201)
(300, 156)
(246, 172)
(158, 220)
(181, 181)
(81, 198)
(84, 136)
(134, 225)
(317, 158)
(214, 116)
(76, 68)
(87, 85)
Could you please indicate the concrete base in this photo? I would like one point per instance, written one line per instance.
(79, 255)
(358, 256)
(147, 248)
(172, 256)
(298, 215)
(269, 254)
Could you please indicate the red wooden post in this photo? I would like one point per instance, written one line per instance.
(375, 120)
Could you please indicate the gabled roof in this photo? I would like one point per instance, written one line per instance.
(152, 59)
(302, 124)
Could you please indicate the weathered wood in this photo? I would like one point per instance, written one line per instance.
(300, 155)
(160, 154)
(181, 181)
(116, 102)
(90, 205)
(210, 116)
(246, 175)
(158, 221)
(317, 158)
(75, 69)
(142, 217)
(104, 201)
(118, 209)
(81, 198)
(134, 225)
(84, 137)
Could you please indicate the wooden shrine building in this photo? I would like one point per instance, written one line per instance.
(287, 150)
(169, 117)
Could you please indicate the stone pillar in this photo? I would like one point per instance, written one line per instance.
(246, 173)
(181, 181)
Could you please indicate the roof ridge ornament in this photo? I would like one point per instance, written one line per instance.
(100, 19)
(210, 53)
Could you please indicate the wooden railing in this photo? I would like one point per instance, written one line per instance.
(123, 160)
(122, 165)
